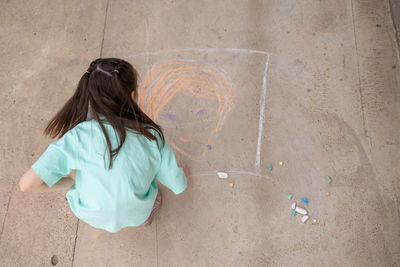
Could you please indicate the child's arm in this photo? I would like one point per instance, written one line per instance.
(170, 174)
(31, 182)
(49, 171)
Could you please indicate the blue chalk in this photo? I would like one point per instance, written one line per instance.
(305, 200)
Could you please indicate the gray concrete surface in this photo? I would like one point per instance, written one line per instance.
(395, 11)
(320, 80)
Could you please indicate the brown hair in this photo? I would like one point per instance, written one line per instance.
(107, 87)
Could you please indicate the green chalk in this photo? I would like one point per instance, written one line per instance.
(293, 212)
(270, 168)
(289, 196)
(328, 179)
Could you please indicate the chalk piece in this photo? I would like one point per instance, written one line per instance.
(293, 212)
(290, 196)
(270, 168)
(305, 200)
(201, 111)
(314, 220)
(231, 184)
(328, 179)
(281, 163)
(171, 116)
(304, 219)
(208, 146)
(293, 205)
(222, 175)
(301, 210)
(328, 194)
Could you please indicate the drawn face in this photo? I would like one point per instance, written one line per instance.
(192, 128)
(200, 90)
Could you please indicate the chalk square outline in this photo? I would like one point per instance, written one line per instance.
(263, 96)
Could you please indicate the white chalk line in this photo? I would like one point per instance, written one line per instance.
(234, 172)
(261, 121)
(235, 50)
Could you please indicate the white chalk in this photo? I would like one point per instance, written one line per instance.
(314, 220)
(293, 205)
(301, 210)
(304, 219)
(222, 175)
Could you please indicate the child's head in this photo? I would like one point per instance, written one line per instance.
(112, 77)
(108, 87)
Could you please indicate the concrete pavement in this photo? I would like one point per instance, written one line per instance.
(314, 84)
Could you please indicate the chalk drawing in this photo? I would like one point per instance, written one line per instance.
(165, 80)
(171, 116)
(262, 111)
(167, 95)
(189, 124)
(201, 111)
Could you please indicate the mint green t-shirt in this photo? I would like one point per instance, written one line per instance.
(122, 196)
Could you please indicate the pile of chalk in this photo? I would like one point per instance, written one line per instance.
(300, 210)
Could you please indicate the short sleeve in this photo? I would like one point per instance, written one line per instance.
(169, 173)
(57, 161)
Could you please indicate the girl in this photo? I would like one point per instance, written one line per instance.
(112, 150)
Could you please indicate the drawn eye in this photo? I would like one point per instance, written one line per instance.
(171, 116)
(201, 111)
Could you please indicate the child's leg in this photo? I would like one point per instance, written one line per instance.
(156, 207)
(72, 174)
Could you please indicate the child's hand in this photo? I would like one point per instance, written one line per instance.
(185, 170)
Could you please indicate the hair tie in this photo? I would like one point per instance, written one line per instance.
(88, 72)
